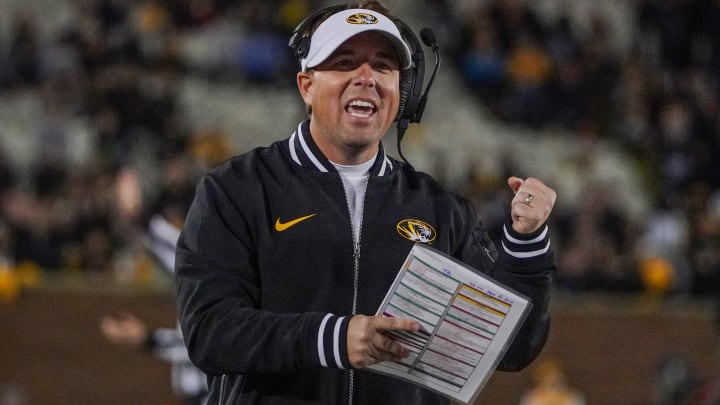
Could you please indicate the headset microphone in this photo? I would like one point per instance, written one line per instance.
(428, 37)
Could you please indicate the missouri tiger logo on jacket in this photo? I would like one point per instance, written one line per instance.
(416, 230)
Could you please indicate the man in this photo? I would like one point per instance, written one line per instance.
(288, 250)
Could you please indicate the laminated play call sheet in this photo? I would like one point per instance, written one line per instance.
(468, 321)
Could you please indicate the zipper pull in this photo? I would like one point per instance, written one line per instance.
(356, 250)
(487, 252)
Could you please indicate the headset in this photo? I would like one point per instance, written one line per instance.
(412, 97)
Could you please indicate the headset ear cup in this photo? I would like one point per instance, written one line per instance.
(407, 80)
(411, 79)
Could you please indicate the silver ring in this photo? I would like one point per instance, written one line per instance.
(529, 199)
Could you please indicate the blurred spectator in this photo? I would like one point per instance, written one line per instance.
(662, 247)
(210, 147)
(141, 208)
(551, 386)
(23, 55)
(7, 175)
(33, 220)
(710, 34)
(674, 379)
(677, 152)
(263, 53)
(703, 210)
(596, 244)
(675, 22)
(529, 68)
(631, 112)
(513, 19)
(291, 13)
(483, 63)
(569, 107)
(167, 344)
(160, 222)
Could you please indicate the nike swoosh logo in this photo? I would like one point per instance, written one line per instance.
(282, 226)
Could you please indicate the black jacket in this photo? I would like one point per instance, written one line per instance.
(264, 303)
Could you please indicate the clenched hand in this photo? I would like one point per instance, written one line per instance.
(532, 204)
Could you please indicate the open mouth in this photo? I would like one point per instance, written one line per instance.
(360, 108)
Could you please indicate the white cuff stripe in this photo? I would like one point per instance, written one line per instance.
(525, 255)
(320, 341)
(539, 238)
(336, 342)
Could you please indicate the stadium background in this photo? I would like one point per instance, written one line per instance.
(110, 109)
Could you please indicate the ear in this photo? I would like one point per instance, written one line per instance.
(305, 85)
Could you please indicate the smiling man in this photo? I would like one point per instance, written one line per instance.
(288, 250)
(353, 92)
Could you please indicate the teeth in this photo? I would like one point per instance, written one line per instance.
(361, 103)
(360, 108)
(359, 115)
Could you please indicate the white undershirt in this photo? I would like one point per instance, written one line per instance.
(355, 180)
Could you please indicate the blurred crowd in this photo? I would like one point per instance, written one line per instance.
(116, 69)
(657, 98)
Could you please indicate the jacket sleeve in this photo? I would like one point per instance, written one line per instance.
(526, 264)
(218, 298)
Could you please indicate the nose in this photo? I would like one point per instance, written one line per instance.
(365, 75)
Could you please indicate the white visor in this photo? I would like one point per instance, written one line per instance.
(341, 26)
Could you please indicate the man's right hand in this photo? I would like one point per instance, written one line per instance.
(367, 344)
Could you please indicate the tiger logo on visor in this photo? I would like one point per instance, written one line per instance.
(416, 230)
(362, 18)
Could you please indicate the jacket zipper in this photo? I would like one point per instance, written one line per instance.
(487, 253)
(356, 269)
(356, 276)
